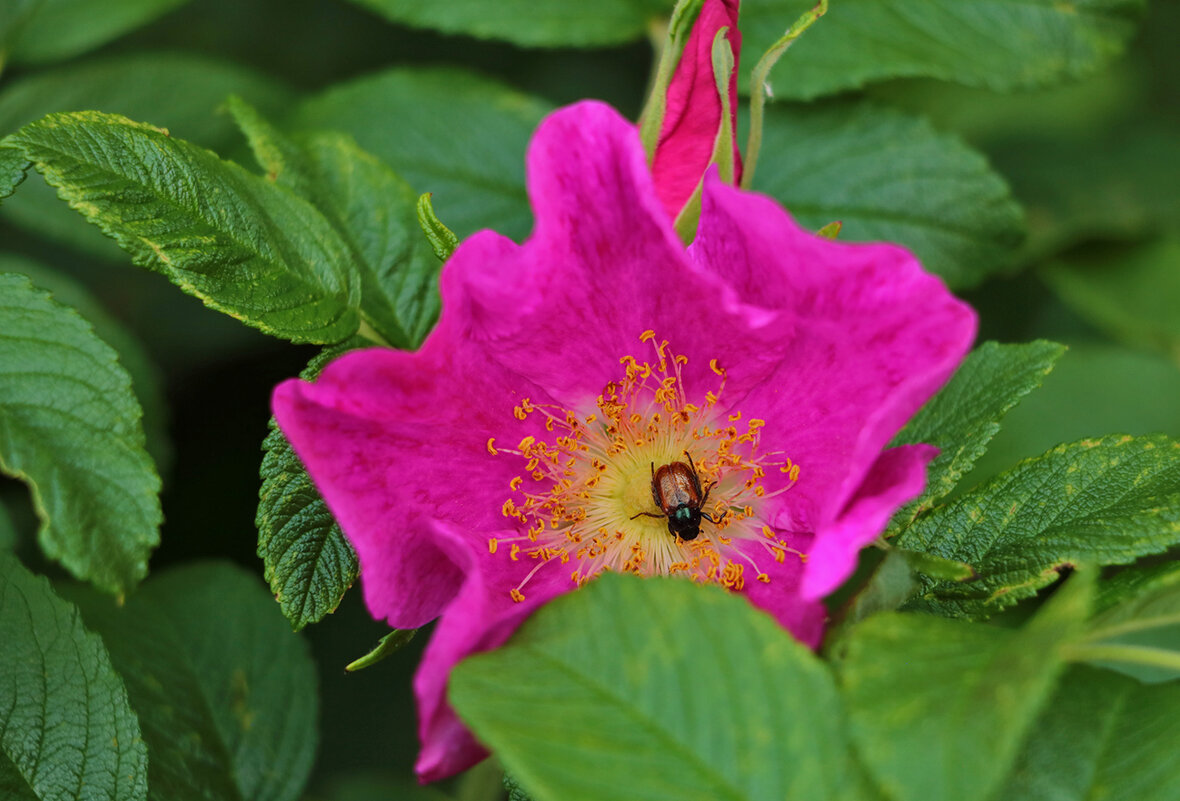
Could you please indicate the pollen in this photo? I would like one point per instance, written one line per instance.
(591, 502)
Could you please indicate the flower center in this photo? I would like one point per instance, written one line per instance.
(645, 482)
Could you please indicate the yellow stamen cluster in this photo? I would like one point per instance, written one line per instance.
(581, 489)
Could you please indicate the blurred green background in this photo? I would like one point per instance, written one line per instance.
(1094, 162)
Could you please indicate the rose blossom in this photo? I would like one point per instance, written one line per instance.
(506, 461)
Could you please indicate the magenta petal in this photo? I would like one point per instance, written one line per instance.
(874, 337)
(829, 347)
(692, 116)
(582, 284)
(603, 265)
(803, 616)
(897, 476)
(388, 438)
(483, 616)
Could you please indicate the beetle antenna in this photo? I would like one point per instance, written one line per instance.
(645, 514)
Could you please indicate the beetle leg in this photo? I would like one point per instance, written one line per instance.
(705, 497)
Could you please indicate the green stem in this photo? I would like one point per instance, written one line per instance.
(759, 86)
(1134, 654)
(1132, 626)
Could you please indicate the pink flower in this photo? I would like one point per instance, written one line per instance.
(693, 114)
(511, 458)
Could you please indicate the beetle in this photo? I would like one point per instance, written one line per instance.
(676, 489)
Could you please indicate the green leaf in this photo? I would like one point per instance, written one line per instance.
(994, 43)
(890, 176)
(893, 581)
(962, 418)
(1101, 501)
(674, 690)
(225, 693)
(67, 732)
(70, 428)
(530, 23)
(1094, 387)
(309, 564)
(13, 167)
(445, 131)
(1139, 637)
(359, 786)
(14, 15)
(938, 708)
(1134, 581)
(514, 790)
(1131, 293)
(145, 377)
(481, 782)
(7, 530)
(372, 209)
(58, 29)
(1065, 114)
(889, 586)
(238, 242)
(1122, 195)
(175, 91)
(1101, 736)
(935, 566)
(178, 91)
